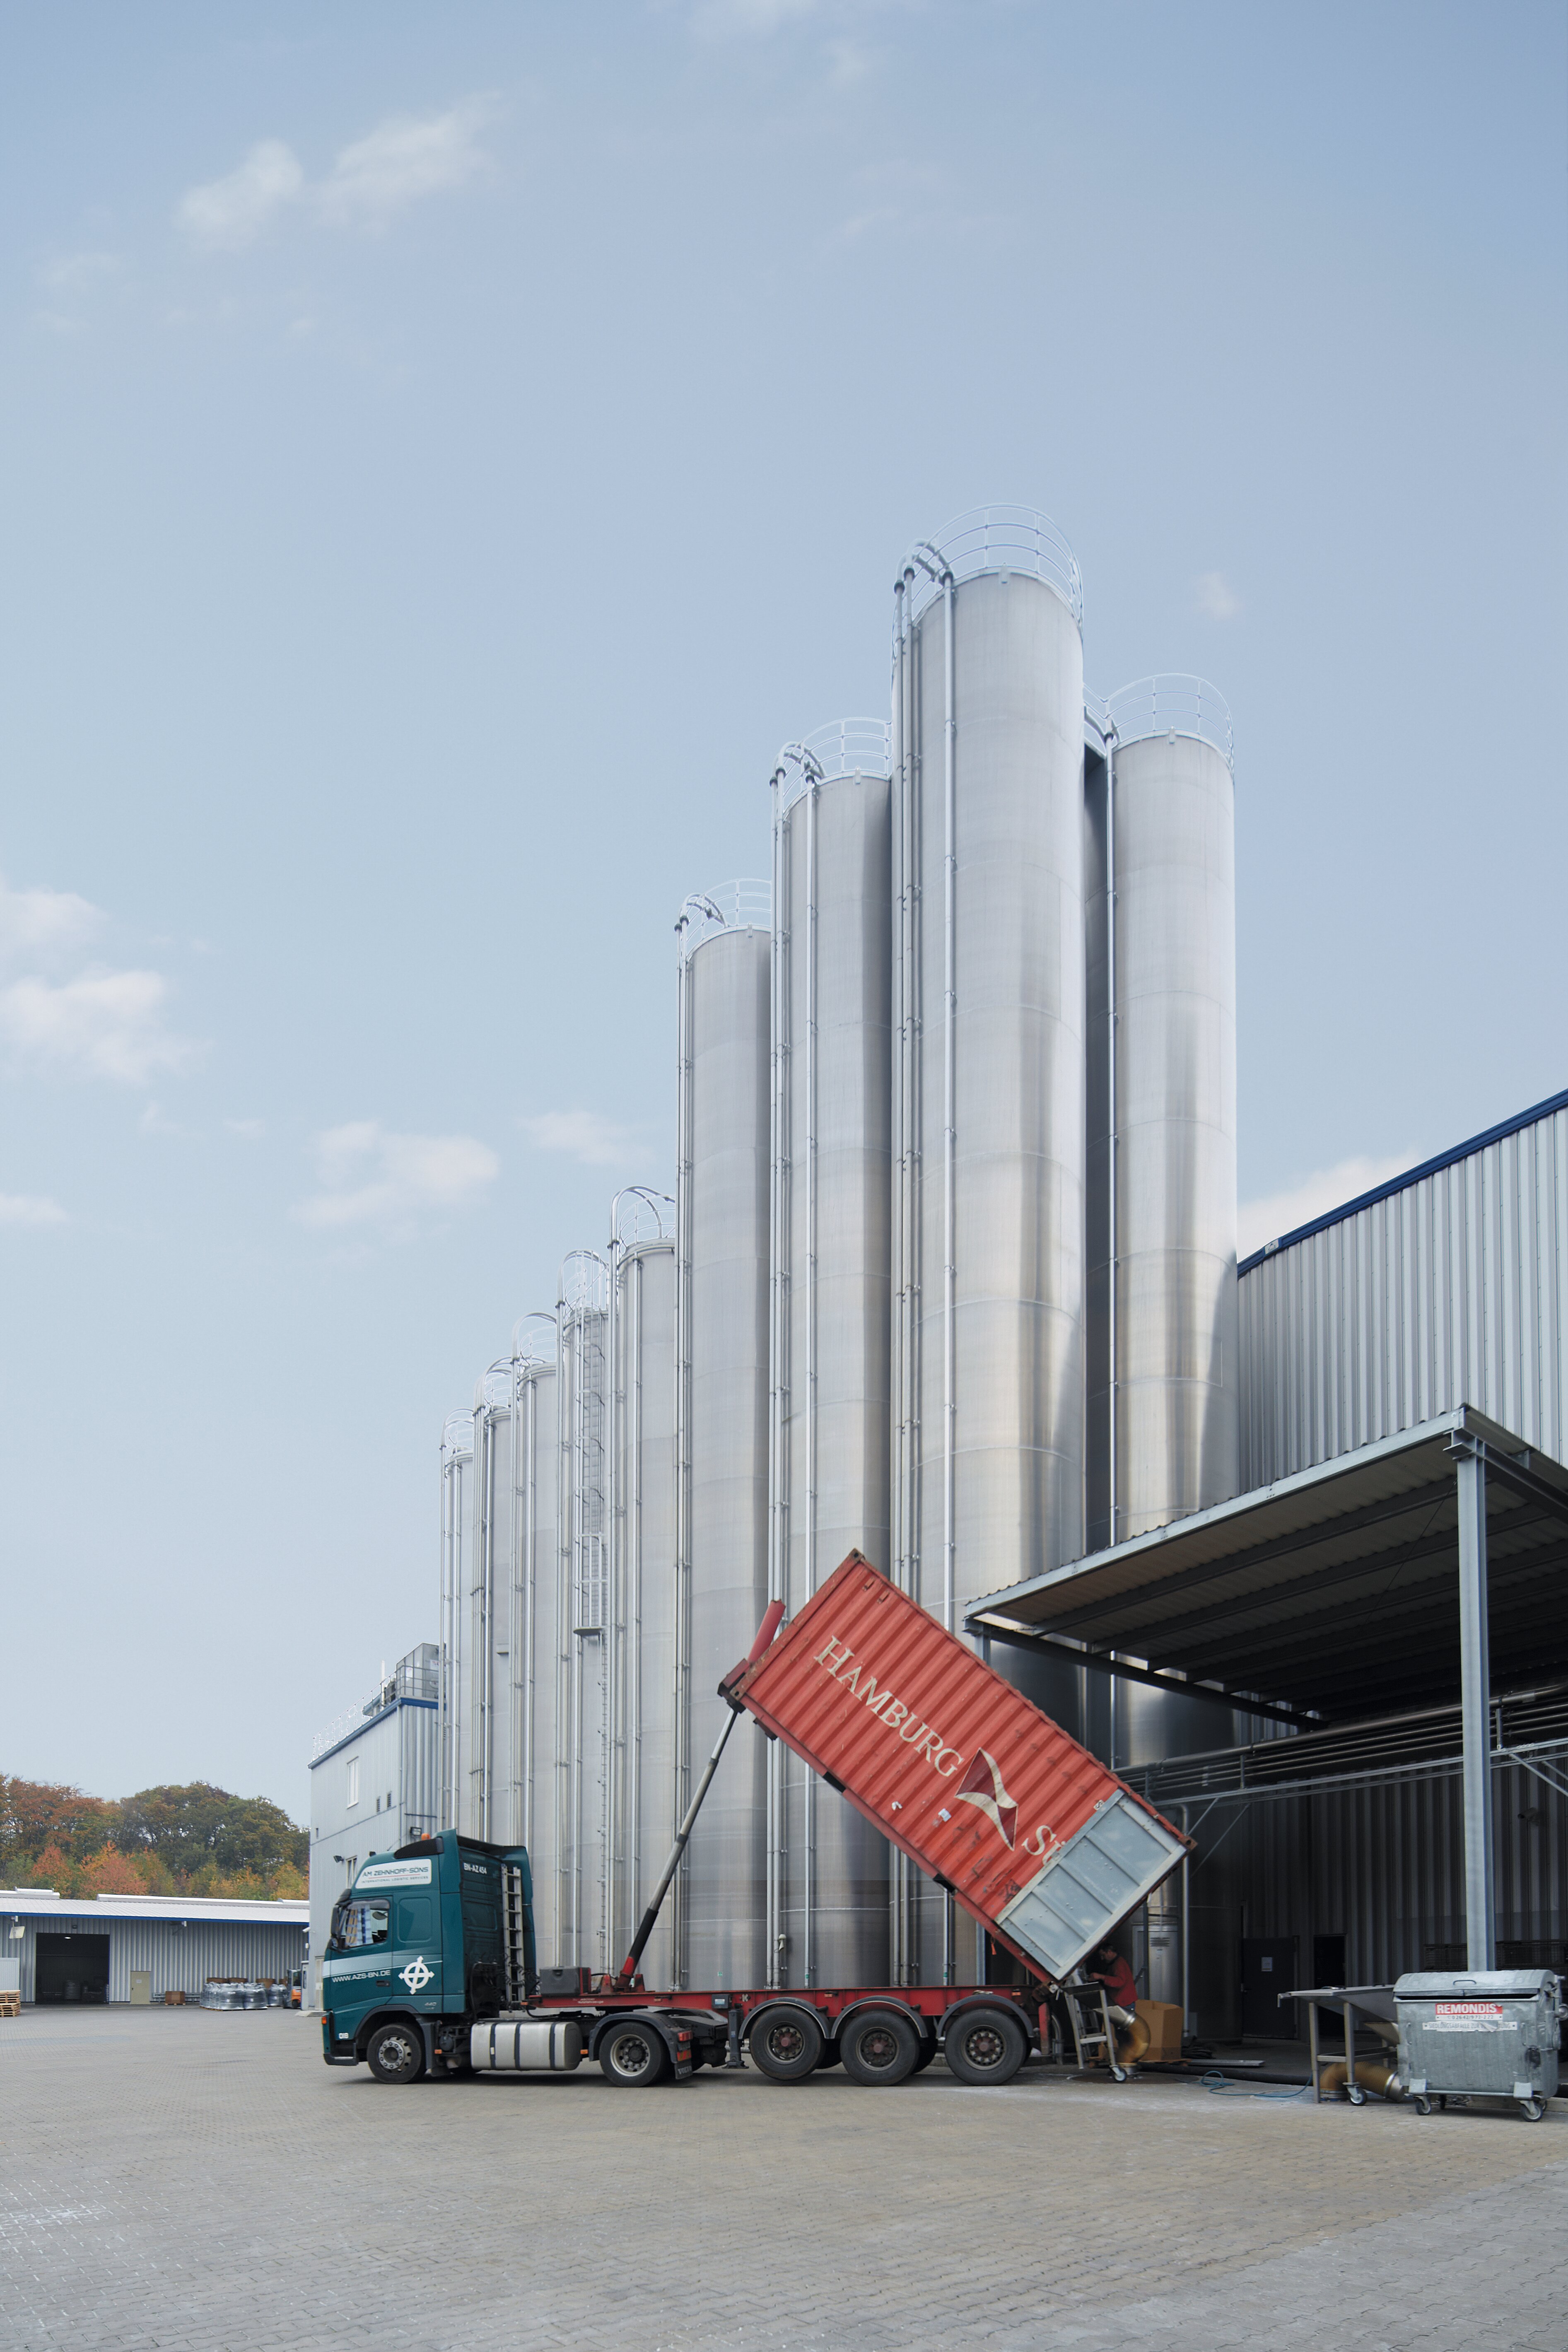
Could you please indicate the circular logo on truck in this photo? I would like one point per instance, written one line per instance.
(416, 1976)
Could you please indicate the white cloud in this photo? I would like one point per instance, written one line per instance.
(102, 1024)
(43, 923)
(369, 1177)
(1258, 1222)
(224, 215)
(30, 1208)
(249, 1130)
(1217, 600)
(598, 1143)
(402, 160)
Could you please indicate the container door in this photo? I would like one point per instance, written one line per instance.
(1103, 1871)
(1268, 1969)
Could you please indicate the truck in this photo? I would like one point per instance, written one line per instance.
(431, 1969)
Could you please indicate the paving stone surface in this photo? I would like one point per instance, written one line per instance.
(200, 2181)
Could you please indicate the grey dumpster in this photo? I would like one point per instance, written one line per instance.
(1488, 2034)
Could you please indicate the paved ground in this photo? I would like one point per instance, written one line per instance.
(199, 2180)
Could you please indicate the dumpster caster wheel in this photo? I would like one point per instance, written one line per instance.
(1423, 2106)
(1356, 2095)
(1533, 2109)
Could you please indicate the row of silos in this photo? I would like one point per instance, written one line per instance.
(558, 1596)
(953, 1274)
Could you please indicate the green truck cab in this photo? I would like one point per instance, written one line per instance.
(430, 1970)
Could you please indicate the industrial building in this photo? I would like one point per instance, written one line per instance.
(949, 1276)
(373, 1777)
(137, 1947)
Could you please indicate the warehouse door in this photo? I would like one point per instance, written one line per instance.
(1268, 1969)
(72, 1967)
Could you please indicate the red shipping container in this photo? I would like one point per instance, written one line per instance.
(1035, 1838)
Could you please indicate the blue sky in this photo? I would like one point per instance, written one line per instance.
(448, 450)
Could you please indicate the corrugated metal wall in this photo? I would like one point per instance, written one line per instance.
(1382, 1865)
(1451, 1290)
(181, 1959)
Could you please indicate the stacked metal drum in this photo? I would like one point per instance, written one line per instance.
(949, 1278)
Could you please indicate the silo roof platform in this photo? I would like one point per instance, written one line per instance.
(1335, 1593)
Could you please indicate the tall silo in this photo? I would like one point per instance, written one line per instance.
(644, 1581)
(456, 1702)
(489, 1756)
(536, 1644)
(832, 942)
(988, 1086)
(583, 1756)
(722, 1233)
(1162, 1131)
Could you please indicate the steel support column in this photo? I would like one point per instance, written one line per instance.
(1474, 1694)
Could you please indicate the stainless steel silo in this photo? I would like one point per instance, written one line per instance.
(583, 1756)
(644, 1582)
(1162, 1123)
(536, 1644)
(722, 1237)
(489, 1757)
(456, 1704)
(988, 1086)
(829, 1877)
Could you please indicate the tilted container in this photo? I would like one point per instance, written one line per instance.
(1025, 1829)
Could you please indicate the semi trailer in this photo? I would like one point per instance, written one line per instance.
(432, 1967)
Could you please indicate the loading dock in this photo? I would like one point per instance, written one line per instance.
(71, 1966)
(1401, 1614)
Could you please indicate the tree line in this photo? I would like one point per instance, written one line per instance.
(196, 1840)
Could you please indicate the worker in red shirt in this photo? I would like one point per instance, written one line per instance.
(1116, 1975)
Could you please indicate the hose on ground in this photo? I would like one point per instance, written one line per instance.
(1222, 2086)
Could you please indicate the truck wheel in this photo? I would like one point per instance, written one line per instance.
(788, 2046)
(928, 2054)
(396, 2054)
(986, 2045)
(632, 2055)
(879, 2046)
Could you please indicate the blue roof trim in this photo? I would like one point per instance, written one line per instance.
(1547, 1109)
(360, 1728)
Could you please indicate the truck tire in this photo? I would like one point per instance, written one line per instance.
(787, 2045)
(986, 2045)
(878, 2047)
(633, 2055)
(395, 2053)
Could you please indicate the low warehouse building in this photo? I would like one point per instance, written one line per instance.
(137, 1947)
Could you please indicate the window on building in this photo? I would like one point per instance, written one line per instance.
(354, 1779)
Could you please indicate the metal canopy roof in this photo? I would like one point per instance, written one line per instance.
(1332, 1593)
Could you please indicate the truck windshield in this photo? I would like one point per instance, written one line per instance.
(358, 1923)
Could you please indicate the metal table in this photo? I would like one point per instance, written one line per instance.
(1373, 2002)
